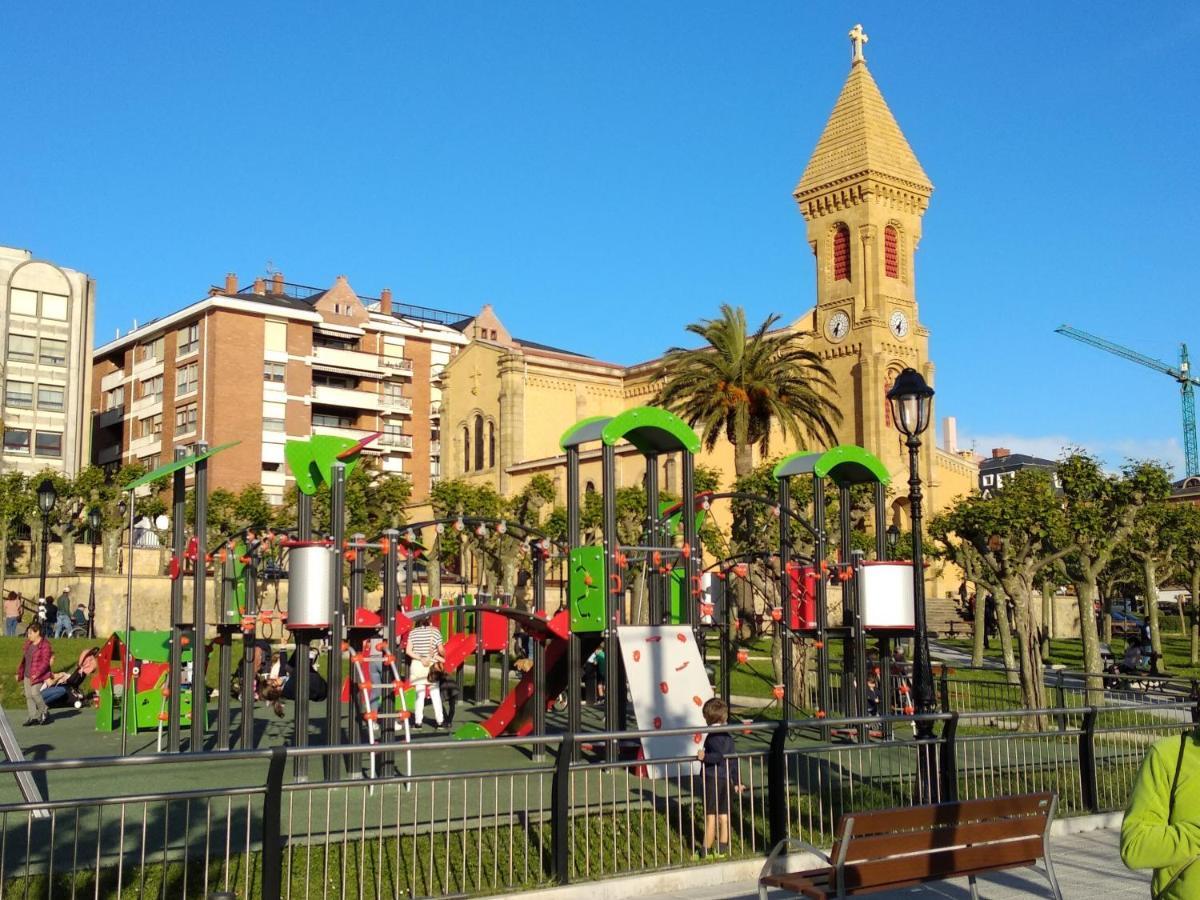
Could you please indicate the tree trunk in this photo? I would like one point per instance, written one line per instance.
(35, 547)
(980, 627)
(68, 552)
(1033, 685)
(1106, 616)
(1195, 629)
(1006, 637)
(110, 544)
(1047, 628)
(4, 553)
(1085, 591)
(743, 460)
(1150, 585)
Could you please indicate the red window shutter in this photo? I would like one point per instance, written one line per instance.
(891, 254)
(841, 254)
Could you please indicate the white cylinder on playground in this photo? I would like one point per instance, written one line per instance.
(886, 595)
(310, 571)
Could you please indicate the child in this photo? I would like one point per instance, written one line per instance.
(720, 776)
(33, 669)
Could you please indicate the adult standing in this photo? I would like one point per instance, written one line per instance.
(48, 614)
(62, 626)
(12, 613)
(424, 650)
(32, 670)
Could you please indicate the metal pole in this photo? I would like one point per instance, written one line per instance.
(614, 594)
(301, 654)
(850, 641)
(923, 697)
(823, 694)
(574, 656)
(199, 590)
(785, 593)
(358, 644)
(689, 591)
(178, 548)
(880, 521)
(45, 556)
(654, 580)
(387, 616)
(91, 629)
(249, 636)
(538, 647)
(333, 706)
(127, 671)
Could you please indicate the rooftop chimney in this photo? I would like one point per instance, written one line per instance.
(231, 283)
(277, 283)
(950, 434)
(260, 286)
(1000, 452)
(385, 301)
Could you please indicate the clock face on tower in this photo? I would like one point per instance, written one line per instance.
(898, 324)
(837, 326)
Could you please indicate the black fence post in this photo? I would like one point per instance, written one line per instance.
(949, 767)
(1195, 700)
(1060, 695)
(944, 688)
(560, 812)
(777, 793)
(1087, 762)
(272, 842)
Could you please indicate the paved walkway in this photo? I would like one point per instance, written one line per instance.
(1088, 866)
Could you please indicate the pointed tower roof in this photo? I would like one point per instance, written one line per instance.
(861, 139)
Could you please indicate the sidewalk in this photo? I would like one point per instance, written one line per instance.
(1088, 866)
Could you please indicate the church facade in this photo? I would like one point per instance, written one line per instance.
(862, 196)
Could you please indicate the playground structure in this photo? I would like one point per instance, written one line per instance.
(685, 598)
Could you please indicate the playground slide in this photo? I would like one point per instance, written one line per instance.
(514, 716)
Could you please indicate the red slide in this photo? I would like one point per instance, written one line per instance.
(515, 714)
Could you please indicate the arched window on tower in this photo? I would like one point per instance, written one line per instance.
(891, 252)
(841, 254)
(491, 444)
(478, 443)
(466, 436)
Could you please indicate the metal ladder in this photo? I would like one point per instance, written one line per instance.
(370, 693)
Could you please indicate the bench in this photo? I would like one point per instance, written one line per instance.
(899, 848)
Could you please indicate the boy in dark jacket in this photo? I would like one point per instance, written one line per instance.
(720, 777)
(33, 669)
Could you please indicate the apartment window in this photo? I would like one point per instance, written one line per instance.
(16, 440)
(185, 419)
(274, 424)
(18, 393)
(189, 339)
(152, 461)
(334, 343)
(324, 379)
(272, 467)
(50, 397)
(53, 352)
(273, 372)
(23, 303)
(150, 426)
(115, 398)
(435, 466)
(187, 379)
(54, 306)
(152, 387)
(275, 497)
(330, 420)
(48, 443)
(274, 416)
(275, 336)
(22, 348)
(150, 350)
(393, 392)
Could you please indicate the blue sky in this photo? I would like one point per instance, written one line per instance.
(604, 173)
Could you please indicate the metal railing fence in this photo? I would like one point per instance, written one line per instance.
(516, 814)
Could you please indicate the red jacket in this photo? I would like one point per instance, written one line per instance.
(40, 670)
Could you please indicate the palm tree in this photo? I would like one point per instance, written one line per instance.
(741, 383)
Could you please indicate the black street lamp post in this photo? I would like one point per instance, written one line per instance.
(912, 402)
(46, 497)
(94, 523)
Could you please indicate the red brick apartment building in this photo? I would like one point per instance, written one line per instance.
(274, 361)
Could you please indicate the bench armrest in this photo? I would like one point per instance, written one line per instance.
(789, 845)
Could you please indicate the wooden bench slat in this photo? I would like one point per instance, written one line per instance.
(899, 819)
(942, 863)
(949, 835)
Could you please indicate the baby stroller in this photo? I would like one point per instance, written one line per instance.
(67, 688)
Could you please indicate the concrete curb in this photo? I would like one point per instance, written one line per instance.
(669, 881)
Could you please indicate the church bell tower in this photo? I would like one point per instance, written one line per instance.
(863, 194)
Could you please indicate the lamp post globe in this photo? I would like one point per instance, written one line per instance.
(911, 400)
(47, 496)
(95, 520)
(893, 538)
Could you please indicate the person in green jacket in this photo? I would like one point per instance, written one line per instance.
(1161, 830)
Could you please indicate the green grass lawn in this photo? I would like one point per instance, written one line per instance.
(1069, 652)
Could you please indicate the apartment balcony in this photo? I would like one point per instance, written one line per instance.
(108, 455)
(435, 409)
(146, 368)
(111, 418)
(150, 443)
(112, 380)
(397, 365)
(149, 403)
(435, 448)
(401, 442)
(355, 434)
(346, 361)
(394, 404)
(347, 397)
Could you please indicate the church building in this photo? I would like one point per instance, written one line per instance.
(862, 194)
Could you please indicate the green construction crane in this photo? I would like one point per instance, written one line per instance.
(1181, 373)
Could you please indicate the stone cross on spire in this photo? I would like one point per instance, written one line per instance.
(858, 37)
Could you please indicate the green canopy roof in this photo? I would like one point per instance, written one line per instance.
(845, 465)
(651, 430)
(584, 431)
(177, 464)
